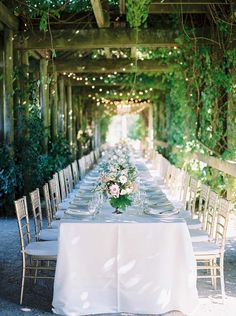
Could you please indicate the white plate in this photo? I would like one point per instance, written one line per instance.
(161, 213)
(77, 212)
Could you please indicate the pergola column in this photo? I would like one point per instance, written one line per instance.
(54, 106)
(8, 84)
(70, 116)
(44, 100)
(25, 64)
(61, 105)
(231, 136)
(1, 98)
(75, 120)
(150, 127)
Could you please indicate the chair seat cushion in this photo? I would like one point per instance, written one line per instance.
(64, 204)
(55, 224)
(42, 249)
(59, 214)
(48, 234)
(205, 249)
(198, 235)
(193, 223)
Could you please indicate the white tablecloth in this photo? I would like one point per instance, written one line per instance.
(124, 263)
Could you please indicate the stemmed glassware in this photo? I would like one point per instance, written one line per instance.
(92, 208)
(95, 204)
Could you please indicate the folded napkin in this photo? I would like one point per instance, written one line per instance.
(161, 213)
(76, 206)
(77, 212)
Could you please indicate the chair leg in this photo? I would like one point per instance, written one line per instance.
(215, 274)
(22, 284)
(222, 281)
(212, 271)
(36, 271)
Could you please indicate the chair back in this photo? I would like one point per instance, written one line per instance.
(68, 179)
(192, 195)
(53, 195)
(23, 222)
(184, 187)
(62, 184)
(48, 204)
(169, 174)
(58, 193)
(82, 170)
(75, 171)
(203, 201)
(211, 214)
(222, 221)
(37, 212)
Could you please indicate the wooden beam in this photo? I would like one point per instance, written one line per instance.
(101, 14)
(187, 6)
(7, 18)
(111, 66)
(228, 167)
(97, 38)
(225, 166)
(34, 54)
(155, 85)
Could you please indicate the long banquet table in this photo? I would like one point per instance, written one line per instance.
(124, 263)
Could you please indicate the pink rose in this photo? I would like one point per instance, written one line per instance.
(114, 190)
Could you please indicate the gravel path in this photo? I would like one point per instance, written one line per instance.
(38, 301)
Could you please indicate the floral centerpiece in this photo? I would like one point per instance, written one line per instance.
(117, 178)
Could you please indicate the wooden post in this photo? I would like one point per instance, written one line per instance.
(44, 100)
(74, 122)
(8, 93)
(231, 132)
(61, 105)
(54, 107)
(23, 85)
(70, 116)
(1, 97)
(150, 126)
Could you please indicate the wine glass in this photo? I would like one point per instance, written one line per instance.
(92, 208)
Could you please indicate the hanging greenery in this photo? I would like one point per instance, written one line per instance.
(137, 12)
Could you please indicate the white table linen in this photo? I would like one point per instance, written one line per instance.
(124, 263)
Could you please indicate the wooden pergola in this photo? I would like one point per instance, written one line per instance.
(65, 53)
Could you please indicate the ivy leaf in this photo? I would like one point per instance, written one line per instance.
(43, 22)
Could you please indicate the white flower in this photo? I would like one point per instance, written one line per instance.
(122, 179)
(123, 192)
(114, 190)
(129, 190)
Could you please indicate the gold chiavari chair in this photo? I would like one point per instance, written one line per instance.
(47, 234)
(48, 204)
(53, 195)
(52, 221)
(62, 185)
(210, 254)
(58, 194)
(203, 203)
(192, 196)
(34, 254)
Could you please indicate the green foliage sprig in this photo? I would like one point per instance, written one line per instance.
(137, 12)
